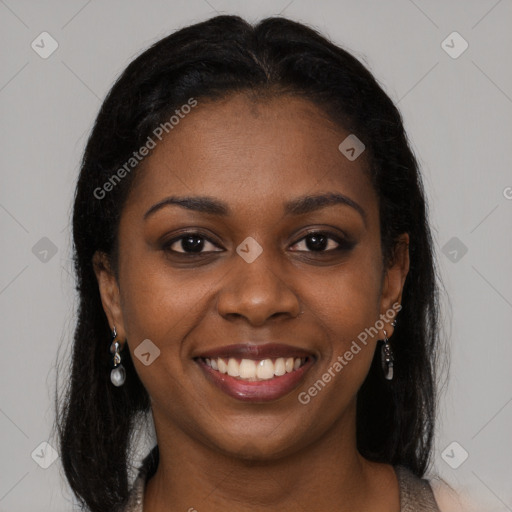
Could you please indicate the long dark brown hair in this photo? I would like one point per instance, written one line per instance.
(213, 59)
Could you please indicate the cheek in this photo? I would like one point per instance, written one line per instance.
(346, 301)
(164, 306)
(157, 301)
(346, 314)
(163, 309)
(345, 305)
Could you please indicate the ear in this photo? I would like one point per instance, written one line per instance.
(109, 292)
(394, 279)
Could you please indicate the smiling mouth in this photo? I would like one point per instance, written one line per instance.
(255, 370)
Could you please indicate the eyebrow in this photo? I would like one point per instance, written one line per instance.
(298, 206)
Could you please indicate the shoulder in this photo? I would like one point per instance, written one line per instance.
(416, 493)
(136, 497)
(135, 500)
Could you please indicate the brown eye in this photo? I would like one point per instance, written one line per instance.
(321, 241)
(190, 243)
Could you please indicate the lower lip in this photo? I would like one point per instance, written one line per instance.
(256, 391)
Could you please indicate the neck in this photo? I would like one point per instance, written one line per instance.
(192, 476)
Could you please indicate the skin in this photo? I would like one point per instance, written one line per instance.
(218, 453)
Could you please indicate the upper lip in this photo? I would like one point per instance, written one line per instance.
(256, 351)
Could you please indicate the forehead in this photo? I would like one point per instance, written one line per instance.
(251, 149)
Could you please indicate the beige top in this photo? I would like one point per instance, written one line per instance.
(415, 493)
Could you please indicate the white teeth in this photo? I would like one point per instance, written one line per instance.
(223, 367)
(233, 368)
(265, 369)
(279, 367)
(252, 370)
(247, 369)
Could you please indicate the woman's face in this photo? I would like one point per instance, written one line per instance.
(253, 276)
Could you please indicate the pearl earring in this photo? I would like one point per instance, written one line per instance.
(118, 374)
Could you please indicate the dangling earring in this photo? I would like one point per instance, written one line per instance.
(118, 374)
(387, 357)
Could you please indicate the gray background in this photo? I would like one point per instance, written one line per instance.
(458, 115)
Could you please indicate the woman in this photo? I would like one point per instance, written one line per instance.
(255, 268)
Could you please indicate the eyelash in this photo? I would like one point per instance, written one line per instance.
(343, 244)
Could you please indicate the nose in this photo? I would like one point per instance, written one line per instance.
(257, 292)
